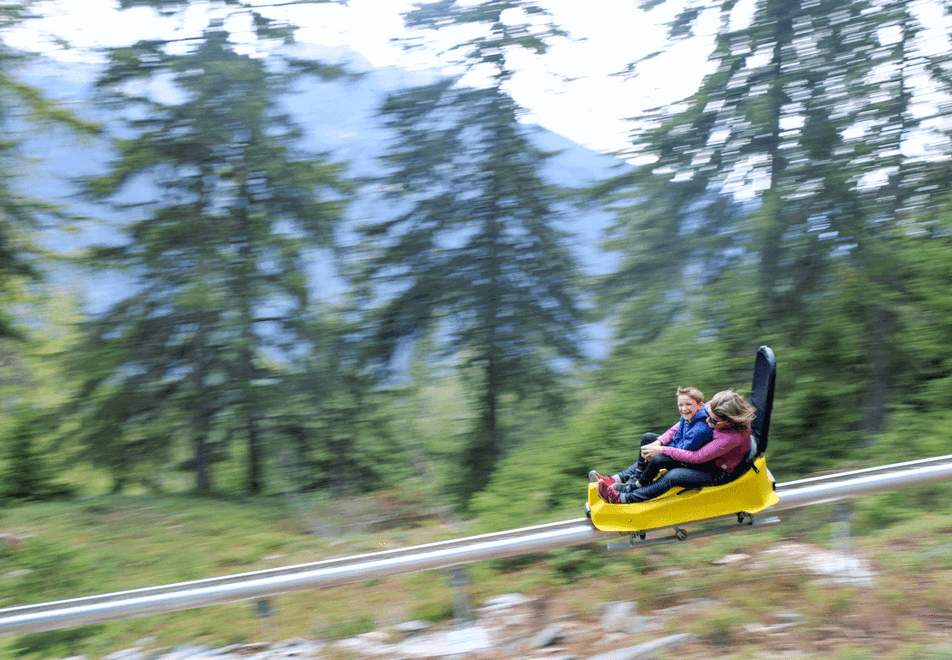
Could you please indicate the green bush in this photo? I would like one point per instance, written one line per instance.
(56, 643)
(719, 628)
(27, 474)
(40, 571)
(851, 653)
(349, 628)
(570, 564)
(517, 563)
(881, 511)
(433, 611)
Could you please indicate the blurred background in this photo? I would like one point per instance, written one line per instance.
(275, 265)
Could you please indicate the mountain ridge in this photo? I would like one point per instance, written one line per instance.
(338, 117)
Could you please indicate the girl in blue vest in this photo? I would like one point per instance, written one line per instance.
(728, 415)
(691, 433)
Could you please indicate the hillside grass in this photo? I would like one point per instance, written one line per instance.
(60, 550)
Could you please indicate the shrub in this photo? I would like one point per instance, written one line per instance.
(26, 472)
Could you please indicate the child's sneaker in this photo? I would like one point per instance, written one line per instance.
(595, 477)
(607, 493)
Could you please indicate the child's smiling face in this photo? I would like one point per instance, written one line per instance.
(688, 407)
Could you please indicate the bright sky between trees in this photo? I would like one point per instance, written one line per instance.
(574, 89)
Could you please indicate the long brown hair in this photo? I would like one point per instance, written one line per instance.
(733, 409)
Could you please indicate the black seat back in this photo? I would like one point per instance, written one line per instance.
(762, 394)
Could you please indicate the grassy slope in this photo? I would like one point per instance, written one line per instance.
(58, 550)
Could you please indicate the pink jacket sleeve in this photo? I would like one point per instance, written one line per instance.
(666, 437)
(724, 445)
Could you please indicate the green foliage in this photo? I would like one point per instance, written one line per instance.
(41, 570)
(777, 211)
(27, 473)
(571, 564)
(884, 511)
(477, 261)
(635, 394)
(832, 603)
(529, 485)
(349, 627)
(889, 509)
(111, 544)
(475, 257)
(923, 652)
(925, 248)
(329, 428)
(813, 265)
(220, 254)
(517, 563)
(811, 388)
(851, 653)
(497, 35)
(54, 643)
(912, 434)
(120, 542)
(24, 111)
(720, 628)
(435, 611)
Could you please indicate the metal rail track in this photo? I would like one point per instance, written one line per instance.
(267, 583)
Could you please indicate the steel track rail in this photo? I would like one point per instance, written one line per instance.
(339, 571)
(840, 476)
(324, 564)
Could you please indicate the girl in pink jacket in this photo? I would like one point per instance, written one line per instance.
(729, 415)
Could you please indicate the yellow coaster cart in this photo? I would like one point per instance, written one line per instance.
(749, 493)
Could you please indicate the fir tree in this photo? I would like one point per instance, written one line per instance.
(474, 253)
(219, 254)
(761, 208)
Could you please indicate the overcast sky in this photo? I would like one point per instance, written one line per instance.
(570, 90)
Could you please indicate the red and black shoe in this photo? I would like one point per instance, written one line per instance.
(595, 477)
(609, 494)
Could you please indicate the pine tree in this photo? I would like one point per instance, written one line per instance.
(760, 211)
(219, 254)
(22, 108)
(32, 385)
(335, 428)
(474, 254)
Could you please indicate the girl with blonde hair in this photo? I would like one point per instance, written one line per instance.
(691, 432)
(729, 415)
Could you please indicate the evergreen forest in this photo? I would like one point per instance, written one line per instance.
(798, 198)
